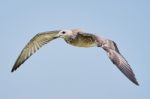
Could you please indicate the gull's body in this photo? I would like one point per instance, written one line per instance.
(78, 38)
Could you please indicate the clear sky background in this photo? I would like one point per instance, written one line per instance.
(61, 71)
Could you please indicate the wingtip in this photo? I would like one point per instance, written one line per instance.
(15, 67)
(12, 70)
(137, 83)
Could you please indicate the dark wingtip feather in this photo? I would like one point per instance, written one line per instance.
(136, 82)
(14, 68)
(16, 65)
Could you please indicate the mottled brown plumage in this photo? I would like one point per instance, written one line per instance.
(77, 38)
(82, 40)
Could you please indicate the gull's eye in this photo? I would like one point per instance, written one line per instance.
(63, 32)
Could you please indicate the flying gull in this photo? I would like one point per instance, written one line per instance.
(77, 38)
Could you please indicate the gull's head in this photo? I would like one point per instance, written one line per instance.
(65, 33)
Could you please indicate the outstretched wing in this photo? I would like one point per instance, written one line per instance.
(115, 56)
(122, 64)
(35, 43)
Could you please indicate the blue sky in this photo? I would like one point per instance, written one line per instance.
(61, 71)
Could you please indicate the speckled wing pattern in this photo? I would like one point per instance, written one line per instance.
(115, 56)
(34, 44)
